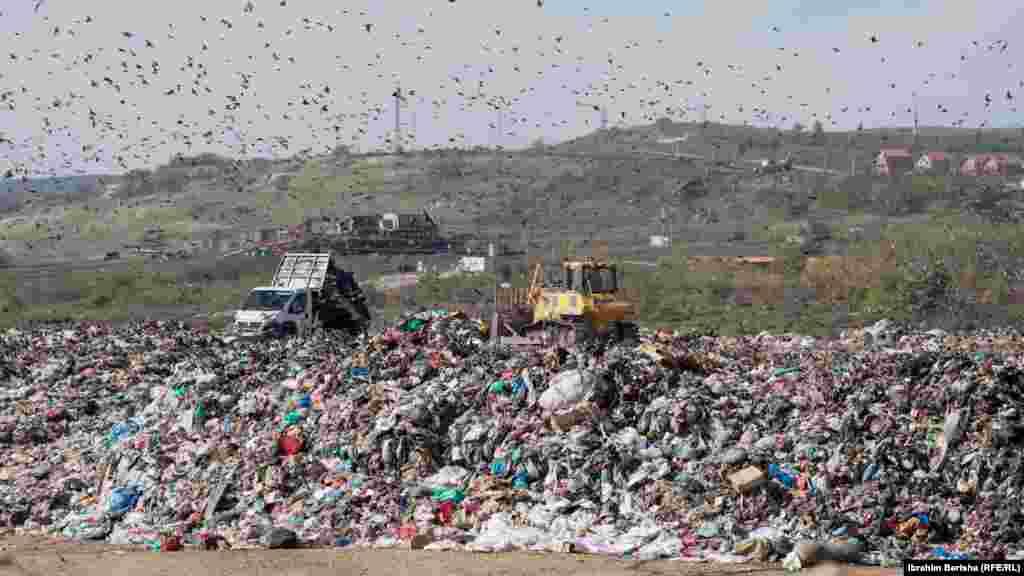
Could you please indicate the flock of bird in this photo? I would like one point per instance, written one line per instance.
(133, 78)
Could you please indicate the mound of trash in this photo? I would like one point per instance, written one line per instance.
(879, 446)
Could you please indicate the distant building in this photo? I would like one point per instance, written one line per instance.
(933, 163)
(893, 161)
(660, 241)
(985, 165)
(324, 225)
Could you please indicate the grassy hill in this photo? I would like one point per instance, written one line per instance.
(611, 191)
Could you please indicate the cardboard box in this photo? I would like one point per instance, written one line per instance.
(565, 420)
(747, 479)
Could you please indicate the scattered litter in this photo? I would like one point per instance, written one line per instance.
(424, 436)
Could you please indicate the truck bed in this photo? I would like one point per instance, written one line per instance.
(302, 270)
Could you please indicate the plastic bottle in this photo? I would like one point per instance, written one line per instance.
(784, 478)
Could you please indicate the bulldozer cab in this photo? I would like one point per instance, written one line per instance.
(590, 277)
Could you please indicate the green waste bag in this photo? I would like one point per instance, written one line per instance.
(413, 325)
(447, 495)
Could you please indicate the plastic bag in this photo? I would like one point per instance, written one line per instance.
(449, 476)
(122, 500)
(566, 389)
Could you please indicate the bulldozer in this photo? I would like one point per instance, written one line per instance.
(583, 304)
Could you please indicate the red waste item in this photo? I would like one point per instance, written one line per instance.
(445, 512)
(170, 544)
(407, 532)
(290, 445)
(55, 414)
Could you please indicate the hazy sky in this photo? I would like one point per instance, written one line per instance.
(641, 59)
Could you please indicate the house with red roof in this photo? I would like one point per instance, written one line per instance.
(985, 165)
(933, 163)
(893, 161)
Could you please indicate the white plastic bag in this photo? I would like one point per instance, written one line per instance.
(567, 388)
(447, 477)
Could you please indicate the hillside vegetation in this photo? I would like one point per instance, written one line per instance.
(850, 247)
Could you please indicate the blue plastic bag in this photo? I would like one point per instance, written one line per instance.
(123, 500)
(784, 478)
(124, 430)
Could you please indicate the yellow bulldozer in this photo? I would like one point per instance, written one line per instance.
(584, 303)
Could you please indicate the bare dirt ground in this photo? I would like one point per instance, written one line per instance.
(33, 556)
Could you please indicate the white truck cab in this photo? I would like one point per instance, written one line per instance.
(278, 311)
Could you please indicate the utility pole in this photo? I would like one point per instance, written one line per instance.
(500, 133)
(500, 139)
(412, 144)
(398, 118)
(914, 96)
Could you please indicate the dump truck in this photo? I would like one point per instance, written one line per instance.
(309, 291)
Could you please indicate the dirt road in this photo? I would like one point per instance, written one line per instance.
(33, 557)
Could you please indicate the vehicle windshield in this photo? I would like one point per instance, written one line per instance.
(602, 280)
(597, 281)
(267, 300)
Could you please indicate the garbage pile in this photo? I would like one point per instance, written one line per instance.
(882, 445)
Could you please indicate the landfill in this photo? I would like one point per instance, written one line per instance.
(882, 445)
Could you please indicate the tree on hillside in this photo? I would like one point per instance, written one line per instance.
(538, 143)
(138, 182)
(742, 148)
(818, 133)
(798, 129)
